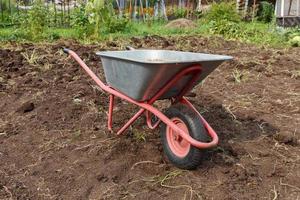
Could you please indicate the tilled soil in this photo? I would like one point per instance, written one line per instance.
(54, 143)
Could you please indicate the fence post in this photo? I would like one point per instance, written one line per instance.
(68, 7)
(1, 9)
(298, 8)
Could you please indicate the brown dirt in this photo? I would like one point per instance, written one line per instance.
(181, 23)
(54, 143)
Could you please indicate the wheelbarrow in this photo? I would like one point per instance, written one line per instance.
(142, 77)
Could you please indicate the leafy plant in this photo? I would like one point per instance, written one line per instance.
(223, 11)
(116, 24)
(35, 22)
(80, 21)
(79, 18)
(180, 13)
(103, 18)
(292, 35)
(7, 11)
(7, 5)
(227, 28)
(97, 12)
(265, 12)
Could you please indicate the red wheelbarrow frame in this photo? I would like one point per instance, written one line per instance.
(147, 108)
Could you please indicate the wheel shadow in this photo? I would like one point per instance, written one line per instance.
(232, 132)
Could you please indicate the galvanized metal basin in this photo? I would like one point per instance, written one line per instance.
(141, 73)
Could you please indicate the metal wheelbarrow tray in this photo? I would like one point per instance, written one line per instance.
(141, 73)
(142, 77)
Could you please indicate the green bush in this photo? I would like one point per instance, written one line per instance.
(7, 10)
(80, 21)
(34, 22)
(223, 11)
(227, 28)
(103, 18)
(254, 32)
(79, 18)
(180, 13)
(292, 35)
(116, 24)
(6, 5)
(232, 30)
(265, 12)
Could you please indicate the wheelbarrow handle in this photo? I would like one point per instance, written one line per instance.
(66, 50)
(129, 48)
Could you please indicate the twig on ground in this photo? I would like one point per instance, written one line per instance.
(275, 193)
(9, 192)
(288, 185)
(144, 162)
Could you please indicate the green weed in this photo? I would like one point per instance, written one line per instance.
(223, 11)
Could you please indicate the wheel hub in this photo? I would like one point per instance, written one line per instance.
(179, 146)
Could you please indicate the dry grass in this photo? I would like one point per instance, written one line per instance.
(165, 179)
(138, 135)
(240, 75)
(295, 74)
(144, 162)
(31, 58)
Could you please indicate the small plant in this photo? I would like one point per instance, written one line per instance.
(223, 11)
(138, 135)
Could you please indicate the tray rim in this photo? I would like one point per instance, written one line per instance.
(222, 58)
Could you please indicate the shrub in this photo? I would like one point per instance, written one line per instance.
(265, 12)
(35, 21)
(292, 35)
(6, 5)
(223, 11)
(180, 13)
(103, 18)
(116, 24)
(227, 28)
(80, 21)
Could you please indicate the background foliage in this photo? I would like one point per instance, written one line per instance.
(99, 19)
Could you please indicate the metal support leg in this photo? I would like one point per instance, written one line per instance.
(110, 111)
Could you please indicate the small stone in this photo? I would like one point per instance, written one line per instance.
(26, 107)
(102, 178)
(115, 179)
(286, 138)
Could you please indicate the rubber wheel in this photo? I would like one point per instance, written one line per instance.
(182, 154)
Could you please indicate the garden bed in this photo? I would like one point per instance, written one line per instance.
(54, 143)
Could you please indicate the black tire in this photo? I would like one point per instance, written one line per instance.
(196, 130)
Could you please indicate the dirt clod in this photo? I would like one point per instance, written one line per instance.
(26, 107)
(181, 23)
(286, 138)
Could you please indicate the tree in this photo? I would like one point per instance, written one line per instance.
(160, 9)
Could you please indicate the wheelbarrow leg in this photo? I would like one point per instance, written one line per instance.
(110, 111)
(139, 113)
(110, 116)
